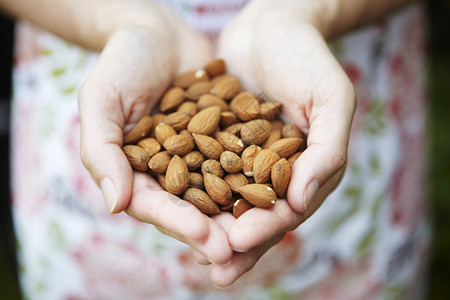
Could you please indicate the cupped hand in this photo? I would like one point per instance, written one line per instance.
(278, 49)
(133, 70)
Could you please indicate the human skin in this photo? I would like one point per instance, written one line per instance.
(277, 47)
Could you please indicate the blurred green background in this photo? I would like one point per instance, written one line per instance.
(439, 152)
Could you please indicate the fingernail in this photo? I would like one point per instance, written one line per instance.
(109, 193)
(239, 251)
(310, 191)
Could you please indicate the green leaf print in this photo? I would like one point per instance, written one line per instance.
(279, 292)
(69, 90)
(56, 234)
(367, 241)
(46, 52)
(376, 118)
(58, 71)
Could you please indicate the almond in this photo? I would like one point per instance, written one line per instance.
(188, 107)
(248, 158)
(171, 99)
(159, 162)
(151, 145)
(208, 146)
(293, 158)
(291, 131)
(177, 120)
(246, 106)
(268, 110)
(263, 164)
(255, 132)
(193, 160)
(202, 201)
(164, 131)
(162, 180)
(234, 129)
(213, 166)
(177, 176)
(227, 118)
(229, 206)
(179, 144)
(227, 87)
(206, 121)
(259, 195)
(217, 189)
(286, 147)
(137, 157)
(216, 67)
(274, 136)
(196, 180)
(140, 131)
(240, 206)
(230, 142)
(235, 181)
(277, 124)
(231, 162)
(197, 89)
(157, 119)
(187, 79)
(208, 100)
(281, 174)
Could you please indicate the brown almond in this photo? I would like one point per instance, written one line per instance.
(277, 124)
(293, 158)
(234, 129)
(268, 110)
(286, 147)
(227, 118)
(177, 120)
(164, 131)
(231, 162)
(248, 157)
(151, 145)
(263, 164)
(246, 106)
(159, 162)
(291, 131)
(187, 79)
(197, 89)
(179, 144)
(208, 146)
(140, 131)
(208, 100)
(171, 99)
(216, 67)
(196, 180)
(193, 160)
(229, 206)
(177, 176)
(202, 201)
(259, 195)
(205, 121)
(157, 119)
(274, 136)
(185, 132)
(227, 87)
(137, 157)
(188, 107)
(230, 142)
(240, 206)
(217, 189)
(235, 181)
(281, 175)
(162, 180)
(212, 166)
(255, 132)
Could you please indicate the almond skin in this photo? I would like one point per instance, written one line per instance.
(197, 89)
(163, 131)
(205, 121)
(277, 124)
(177, 176)
(216, 67)
(231, 162)
(227, 118)
(140, 131)
(246, 106)
(286, 147)
(213, 166)
(281, 175)
(235, 181)
(234, 129)
(248, 158)
(230, 142)
(202, 201)
(162, 180)
(293, 158)
(179, 144)
(240, 206)
(151, 145)
(157, 119)
(274, 136)
(227, 87)
(263, 164)
(159, 162)
(291, 131)
(255, 132)
(259, 195)
(268, 110)
(208, 100)
(208, 146)
(217, 189)
(193, 160)
(196, 180)
(188, 107)
(137, 157)
(171, 99)
(177, 120)
(187, 79)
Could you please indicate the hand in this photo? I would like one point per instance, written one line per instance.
(279, 50)
(133, 70)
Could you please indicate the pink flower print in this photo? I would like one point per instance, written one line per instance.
(26, 46)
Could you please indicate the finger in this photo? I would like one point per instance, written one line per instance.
(200, 258)
(178, 219)
(240, 263)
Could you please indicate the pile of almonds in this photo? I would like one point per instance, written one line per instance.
(215, 145)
